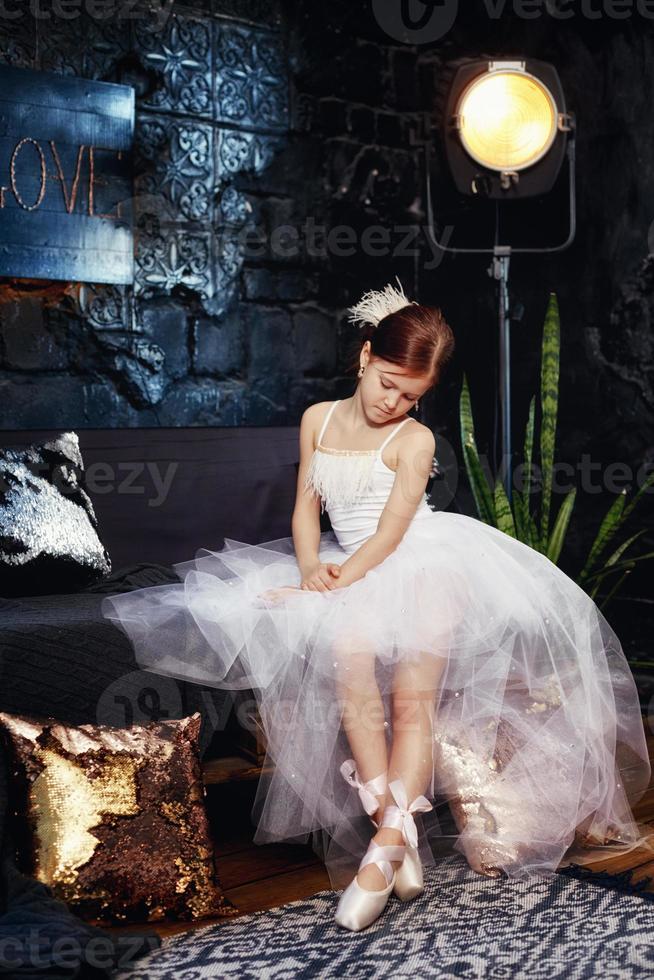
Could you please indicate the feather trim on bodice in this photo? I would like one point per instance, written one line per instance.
(339, 476)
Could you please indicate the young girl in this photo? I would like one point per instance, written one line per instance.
(405, 652)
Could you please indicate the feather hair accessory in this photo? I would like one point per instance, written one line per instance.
(378, 303)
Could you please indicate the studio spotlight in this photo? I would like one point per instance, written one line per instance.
(505, 124)
(506, 133)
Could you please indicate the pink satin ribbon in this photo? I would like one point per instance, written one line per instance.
(366, 790)
(407, 824)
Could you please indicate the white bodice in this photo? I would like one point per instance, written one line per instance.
(353, 486)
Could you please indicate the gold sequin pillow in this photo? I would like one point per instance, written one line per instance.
(113, 819)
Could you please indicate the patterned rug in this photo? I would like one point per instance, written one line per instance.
(464, 925)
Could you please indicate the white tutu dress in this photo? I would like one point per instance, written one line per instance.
(538, 746)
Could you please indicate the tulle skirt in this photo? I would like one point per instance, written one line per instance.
(533, 736)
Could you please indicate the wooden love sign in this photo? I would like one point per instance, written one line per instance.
(65, 178)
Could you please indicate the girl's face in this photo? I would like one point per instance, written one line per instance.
(386, 390)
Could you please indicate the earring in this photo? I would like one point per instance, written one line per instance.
(361, 370)
(417, 404)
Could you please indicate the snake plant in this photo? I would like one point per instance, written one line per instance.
(518, 521)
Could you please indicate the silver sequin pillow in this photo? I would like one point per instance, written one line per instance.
(48, 528)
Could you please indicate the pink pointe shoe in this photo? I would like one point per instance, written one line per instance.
(409, 881)
(358, 907)
(408, 877)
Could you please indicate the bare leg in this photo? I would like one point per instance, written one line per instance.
(415, 689)
(363, 716)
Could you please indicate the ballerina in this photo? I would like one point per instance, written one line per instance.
(405, 654)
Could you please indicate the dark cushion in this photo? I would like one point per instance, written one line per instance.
(48, 529)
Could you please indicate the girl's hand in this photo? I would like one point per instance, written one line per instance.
(276, 595)
(321, 578)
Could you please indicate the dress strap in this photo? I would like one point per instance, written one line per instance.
(327, 418)
(391, 434)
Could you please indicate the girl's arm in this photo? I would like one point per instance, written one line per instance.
(305, 522)
(414, 461)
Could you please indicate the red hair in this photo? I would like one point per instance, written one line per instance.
(416, 338)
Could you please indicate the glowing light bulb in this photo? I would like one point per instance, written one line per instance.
(508, 120)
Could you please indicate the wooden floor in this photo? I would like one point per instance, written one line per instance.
(262, 877)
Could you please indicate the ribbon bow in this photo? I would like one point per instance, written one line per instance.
(369, 800)
(420, 805)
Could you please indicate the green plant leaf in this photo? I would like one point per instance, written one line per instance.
(648, 483)
(623, 547)
(615, 588)
(607, 529)
(465, 416)
(533, 538)
(479, 486)
(560, 527)
(608, 569)
(529, 446)
(503, 510)
(549, 405)
(616, 516)
(524, 522)
(522, 500)
(620, 565)
(518, 507)
(481, 491)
